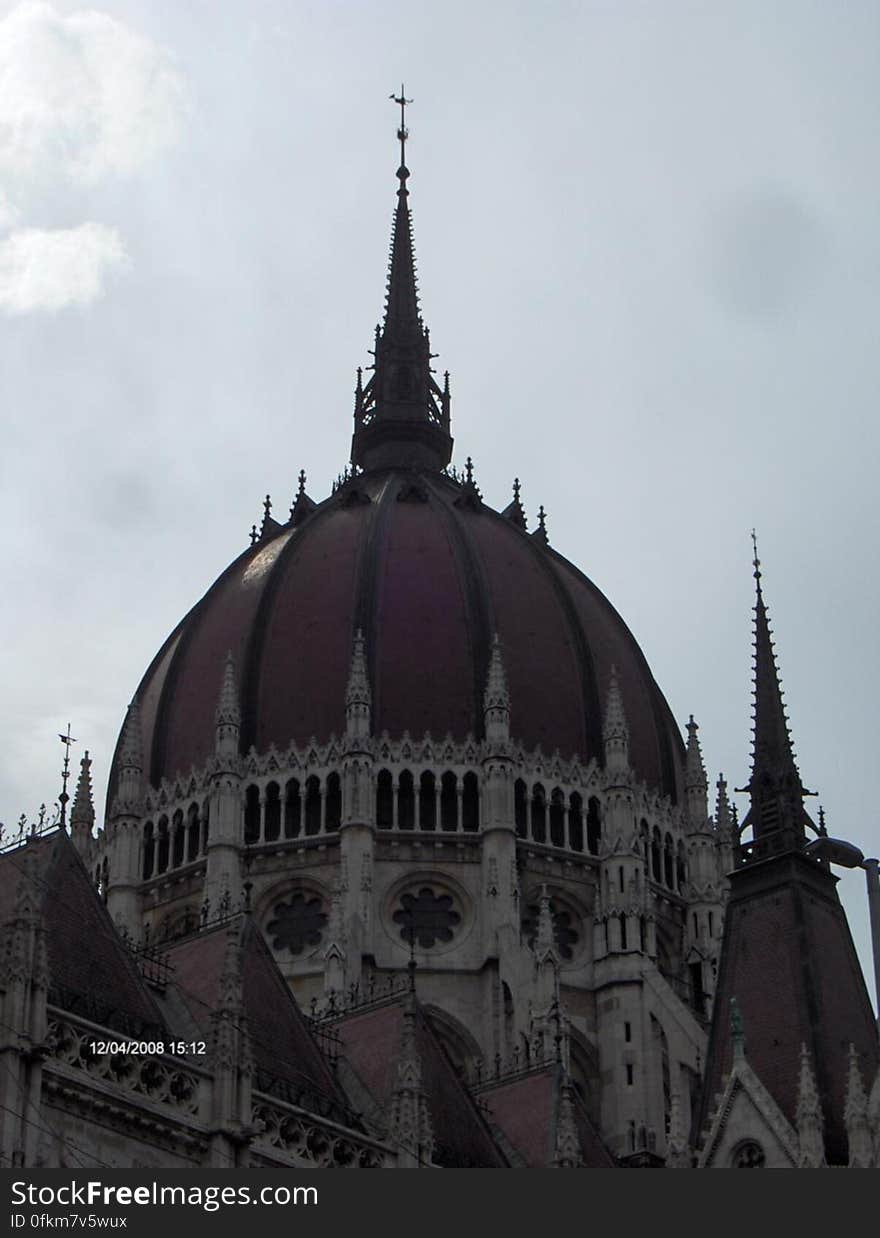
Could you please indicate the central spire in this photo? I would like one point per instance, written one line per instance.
(401, 415)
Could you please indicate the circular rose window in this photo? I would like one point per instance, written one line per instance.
(297, 923)
(426, 918)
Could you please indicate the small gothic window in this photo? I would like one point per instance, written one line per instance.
(470, 802)
(557, 818)
(149, 850)
(384, 800)
(594, 826)
(539, 813)
(565, 936)
(427, 802)
(252, 814)
(520, 807)
(297, 923)
(449, 802)
(292, 809)
(575, 823)
(333, 806)
(667, 862)
(179, 840)
(656, 862)
(749, 1155)
(205, 820)
(272, 809)
(426, 918)
(313, 805)
(192, 833)
(162, 851)
(406, 801)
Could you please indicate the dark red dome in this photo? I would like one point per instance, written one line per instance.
(429, 573)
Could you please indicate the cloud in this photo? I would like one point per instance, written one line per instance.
(82, 97)
(48, 269)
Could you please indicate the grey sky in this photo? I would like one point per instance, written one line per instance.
(649, 257)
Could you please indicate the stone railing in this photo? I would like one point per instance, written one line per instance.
(294, 1133)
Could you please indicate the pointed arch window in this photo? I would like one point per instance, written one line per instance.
(193, 833)
(162, 849)
(539, 813)
(520, 808)
(333, 805)
(594, 826)
(179, 840)
(149, 851)
(427, 801)
(575, 822)
(272, 813)
(557, 818)
(292, 809)
(384, 800)
(470, 802)
(313, 805)
(449, 802)
(252, 814)
(406, 801)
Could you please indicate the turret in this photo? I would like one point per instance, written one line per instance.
(225, 824)
(122, 846)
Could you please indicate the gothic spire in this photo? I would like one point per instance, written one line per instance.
(401, 415)
(808, 1117)
(82, 817)
(775, 786)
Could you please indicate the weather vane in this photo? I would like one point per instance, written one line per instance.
(67, 740)
(402, 132)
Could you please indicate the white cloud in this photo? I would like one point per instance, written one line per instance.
(48, 269)
(81, 97)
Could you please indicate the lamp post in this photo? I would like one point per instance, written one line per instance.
(847, 855)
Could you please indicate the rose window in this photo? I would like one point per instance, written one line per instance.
(297, 923)
(564, 934)
(426, 918)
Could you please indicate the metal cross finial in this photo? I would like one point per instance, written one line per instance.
(402, 132)
(302, 477)
(516, 489)
(67, 740)
(267, 506)
(756, 562)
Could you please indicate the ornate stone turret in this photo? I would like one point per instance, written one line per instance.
(358, 814)
(808, 1117)
(231, 1057)
(409, 1125)
(225, 826)
(401, 415)
(696, 785)
(498, 854)
(82, 817)
(567, 1152)
(615, 736)
(24, 982)
(122, 841)
(496, 699)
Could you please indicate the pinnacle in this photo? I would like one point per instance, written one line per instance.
(496, 694)
(82, 816)
(302, 506)
(695, 771)
(131, 753)
(540, 534)
(514, 511)
(615, 726)
(357, 691)
(228, 712)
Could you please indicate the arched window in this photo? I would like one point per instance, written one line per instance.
(292, 809)
(520, 808)
(149, 851)
(384, 800)
(645, 834)
(656, 861)
(272, 813)
(575, 822)
(623, 942)
(594, 826)
(668, 874)
(449, 802)
(179, 840)
(162, 850)
(313, 805)
(427, 801)
(333, 805)
(470, 802)
(206, 816)
(406, 801)
(192, 833)
(539, 814)
(252, 814)
(557, 818)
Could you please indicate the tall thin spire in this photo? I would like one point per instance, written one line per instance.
(775, 786)
(401, 415)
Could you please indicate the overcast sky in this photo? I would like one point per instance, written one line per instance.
(649, 256)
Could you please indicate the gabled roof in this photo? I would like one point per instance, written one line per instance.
(287, 1059)
(526, 1109)
(92, 972)
(369, 1041)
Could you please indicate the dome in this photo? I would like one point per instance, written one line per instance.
(430, 574)
(405, 550)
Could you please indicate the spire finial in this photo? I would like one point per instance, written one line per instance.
(514, 509)
(756, 562)
(540, 534)
(67, 740)
(469, 471)
(403, 134)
